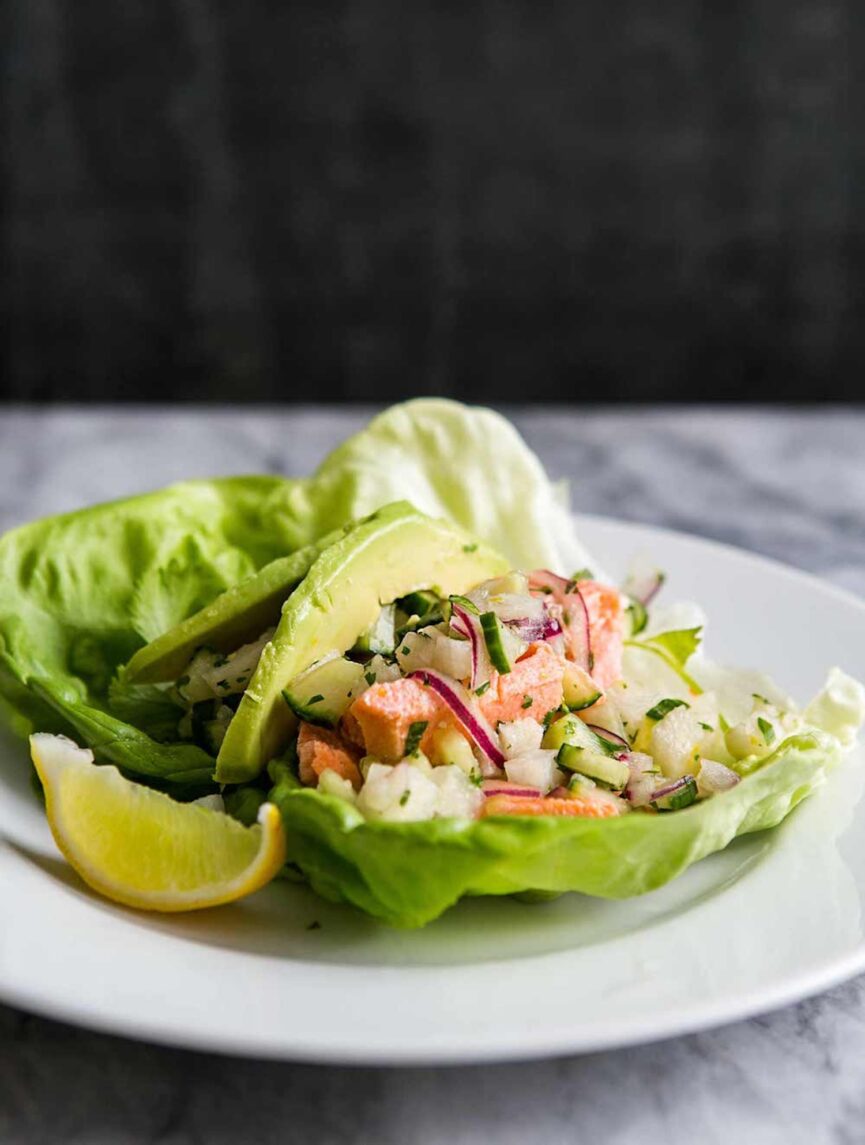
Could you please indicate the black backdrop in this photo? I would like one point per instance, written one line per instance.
(509, 199)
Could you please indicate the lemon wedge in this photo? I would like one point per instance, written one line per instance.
(142, 848)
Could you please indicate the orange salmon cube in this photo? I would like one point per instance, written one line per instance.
(385, 712)
(521, 805)
(531, 689)
(607, 628)
(320, 750)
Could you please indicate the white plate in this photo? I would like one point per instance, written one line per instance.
(774, 918)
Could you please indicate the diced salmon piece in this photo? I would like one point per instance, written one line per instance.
(522, 805)
(603, 603)
(607, 627)
(532, 688)
(319, 750)
(385, 712)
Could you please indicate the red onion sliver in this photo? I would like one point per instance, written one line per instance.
(670, 787)
(466, 627)
(503, 787)
(543, 580)
(531, 629)
(454, 695)
(644, 586)
(610, 737)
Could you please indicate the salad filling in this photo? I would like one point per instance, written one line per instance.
(531, 694)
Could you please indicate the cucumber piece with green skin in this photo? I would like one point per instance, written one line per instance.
(570, 729)
(419, 603)
(683, 796)
(603, 768)
(323, 694)
(491, 627)
(381, 637)
(579, 690)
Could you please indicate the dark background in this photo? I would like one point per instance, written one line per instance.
(211, 199)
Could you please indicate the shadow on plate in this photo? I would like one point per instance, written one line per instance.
(288, 921)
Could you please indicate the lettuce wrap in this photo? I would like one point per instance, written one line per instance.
(83, 594)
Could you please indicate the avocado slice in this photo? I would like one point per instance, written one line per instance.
(235, 617)
(395, 551)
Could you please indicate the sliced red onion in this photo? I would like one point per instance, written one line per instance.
(467, 625)
(610, 737)
(670, 787)
(643, 584)
(532, 629)
(460, 703)
(542, 580)
(503, 787)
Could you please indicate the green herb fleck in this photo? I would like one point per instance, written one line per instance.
(470, 548)
(580, 574)
(476, 778)
(404, 798)
(706, 727)
(759, 698)
(479, 691)
(663, 706)
(527, 702)
(316, 699)
(767, 729)
(414, 736)
(369, 677)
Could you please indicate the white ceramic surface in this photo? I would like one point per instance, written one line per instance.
(774, 918)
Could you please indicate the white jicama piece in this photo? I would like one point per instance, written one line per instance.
(535, 770)
(713, 777)
(520, 737)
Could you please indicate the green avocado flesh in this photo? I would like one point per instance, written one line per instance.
(235, 617)
(395, 551)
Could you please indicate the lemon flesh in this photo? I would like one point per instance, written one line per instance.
(142, 848)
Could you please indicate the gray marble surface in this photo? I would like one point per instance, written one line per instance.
(790, 484)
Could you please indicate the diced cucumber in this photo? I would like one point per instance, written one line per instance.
(579, 690)
(571, 730)
(322, 694)
(603, 768)
(381, 637)
(494, 638)
(683, 796)
(419, 603)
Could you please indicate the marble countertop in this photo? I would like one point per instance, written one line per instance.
(790, 484)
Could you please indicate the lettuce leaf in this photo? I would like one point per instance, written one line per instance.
(466, 464)
(408, 873)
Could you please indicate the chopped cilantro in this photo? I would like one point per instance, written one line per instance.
(706, 727)
(663, 706)
(479, 691)
(767, 730)
(470, 548)
(369, 677)
(414, 736)
(758, 697)
(527, 702)
(580, 574)
(316, 699)
(476, 778)
(404, 798)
